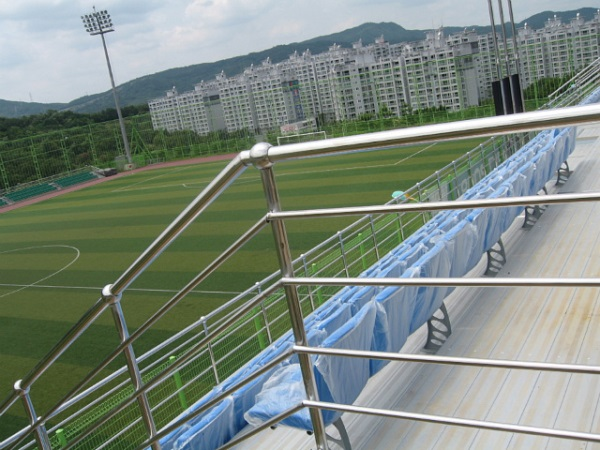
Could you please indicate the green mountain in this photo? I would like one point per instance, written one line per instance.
(17, 109)
(140, 90)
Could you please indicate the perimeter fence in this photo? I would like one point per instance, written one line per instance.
(38, 159)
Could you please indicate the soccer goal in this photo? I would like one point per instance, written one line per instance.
(303, 137)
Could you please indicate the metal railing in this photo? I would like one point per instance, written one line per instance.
(138, 399)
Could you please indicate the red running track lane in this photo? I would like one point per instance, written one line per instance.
(185, 162)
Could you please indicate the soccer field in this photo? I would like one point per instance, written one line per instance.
(56, 255)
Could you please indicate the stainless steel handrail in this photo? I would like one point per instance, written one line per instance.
(263, 156)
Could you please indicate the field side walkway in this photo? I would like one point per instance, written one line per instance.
(545, 324)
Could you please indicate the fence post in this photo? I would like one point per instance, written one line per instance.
(62, 439)
(315, 269)
(179, 385)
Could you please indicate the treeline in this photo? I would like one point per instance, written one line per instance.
(68, 141)
(37, 124)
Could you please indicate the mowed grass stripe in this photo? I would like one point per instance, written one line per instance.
(100, 337)
(108, 204)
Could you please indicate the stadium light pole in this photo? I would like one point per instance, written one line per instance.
(99, 22)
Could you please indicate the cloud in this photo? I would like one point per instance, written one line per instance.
(228, 13)
(45, 50)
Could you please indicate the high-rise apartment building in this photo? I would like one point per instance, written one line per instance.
(451, 72)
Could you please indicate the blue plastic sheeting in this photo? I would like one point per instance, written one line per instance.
(286, 389)
(369, 318)
(215, 429)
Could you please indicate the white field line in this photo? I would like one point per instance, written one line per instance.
(253, 178)
(132, 188)
(185, 185)
(25, 286)
(145, 180)
(341, 169)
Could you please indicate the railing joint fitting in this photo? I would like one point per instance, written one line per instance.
(108, 296)
(19, 389)
(259, 155)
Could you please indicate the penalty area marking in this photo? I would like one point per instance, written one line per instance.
(35, 283)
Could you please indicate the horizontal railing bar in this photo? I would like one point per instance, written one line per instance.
(451, 360)
(444, 420)
(489, 126)
(444, 281)
(437, 206)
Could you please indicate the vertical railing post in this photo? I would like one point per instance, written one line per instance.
(260, 157)
(363, 256)
(41, 435)
(259, 320)
(398, 229)
(114, 301)
(420, 198)
(343, 252)
(483, 160)
(310, 288)
(402, 236)
(372, 223)
(213, 361)
(315, 270)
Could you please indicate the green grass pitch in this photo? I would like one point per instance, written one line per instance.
(56, 255)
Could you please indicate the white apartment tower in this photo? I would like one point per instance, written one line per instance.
(378, 79)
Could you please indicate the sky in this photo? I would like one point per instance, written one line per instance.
(46, 55)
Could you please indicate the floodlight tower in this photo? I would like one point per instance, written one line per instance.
(99, 22)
